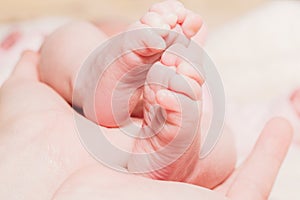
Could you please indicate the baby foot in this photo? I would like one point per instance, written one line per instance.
(171, 14)
(120, 87)
(169, 143)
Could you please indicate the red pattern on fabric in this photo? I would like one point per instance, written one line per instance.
(295, 100)
(10, 40)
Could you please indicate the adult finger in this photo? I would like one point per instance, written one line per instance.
(257, 175)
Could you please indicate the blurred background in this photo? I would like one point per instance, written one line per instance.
(215, 12)
(255, 45)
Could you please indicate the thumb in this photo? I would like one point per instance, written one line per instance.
(26, 67)
(257, 175)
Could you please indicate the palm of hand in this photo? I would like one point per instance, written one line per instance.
(42, 158)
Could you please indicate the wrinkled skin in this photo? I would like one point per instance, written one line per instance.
(42, 158)
(108, 93)
(58, 67)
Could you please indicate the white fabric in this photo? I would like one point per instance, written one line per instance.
(258, 56)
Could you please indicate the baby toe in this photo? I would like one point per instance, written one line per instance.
(186, 86)
(154, 20)
(190, 71)
(180, 109)
(159, 76)
(183, 65)
(172, 12)
(192, 24)
(168, 100)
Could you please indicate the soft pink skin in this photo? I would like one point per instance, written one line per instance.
(178, 94)
(60, 74)
(63, 53)
(295, 100)
(295, 105)
(68, 41)
(39, 144)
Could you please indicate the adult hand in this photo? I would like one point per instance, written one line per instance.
(42, 157)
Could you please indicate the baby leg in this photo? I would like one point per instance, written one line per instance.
(63, 53)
